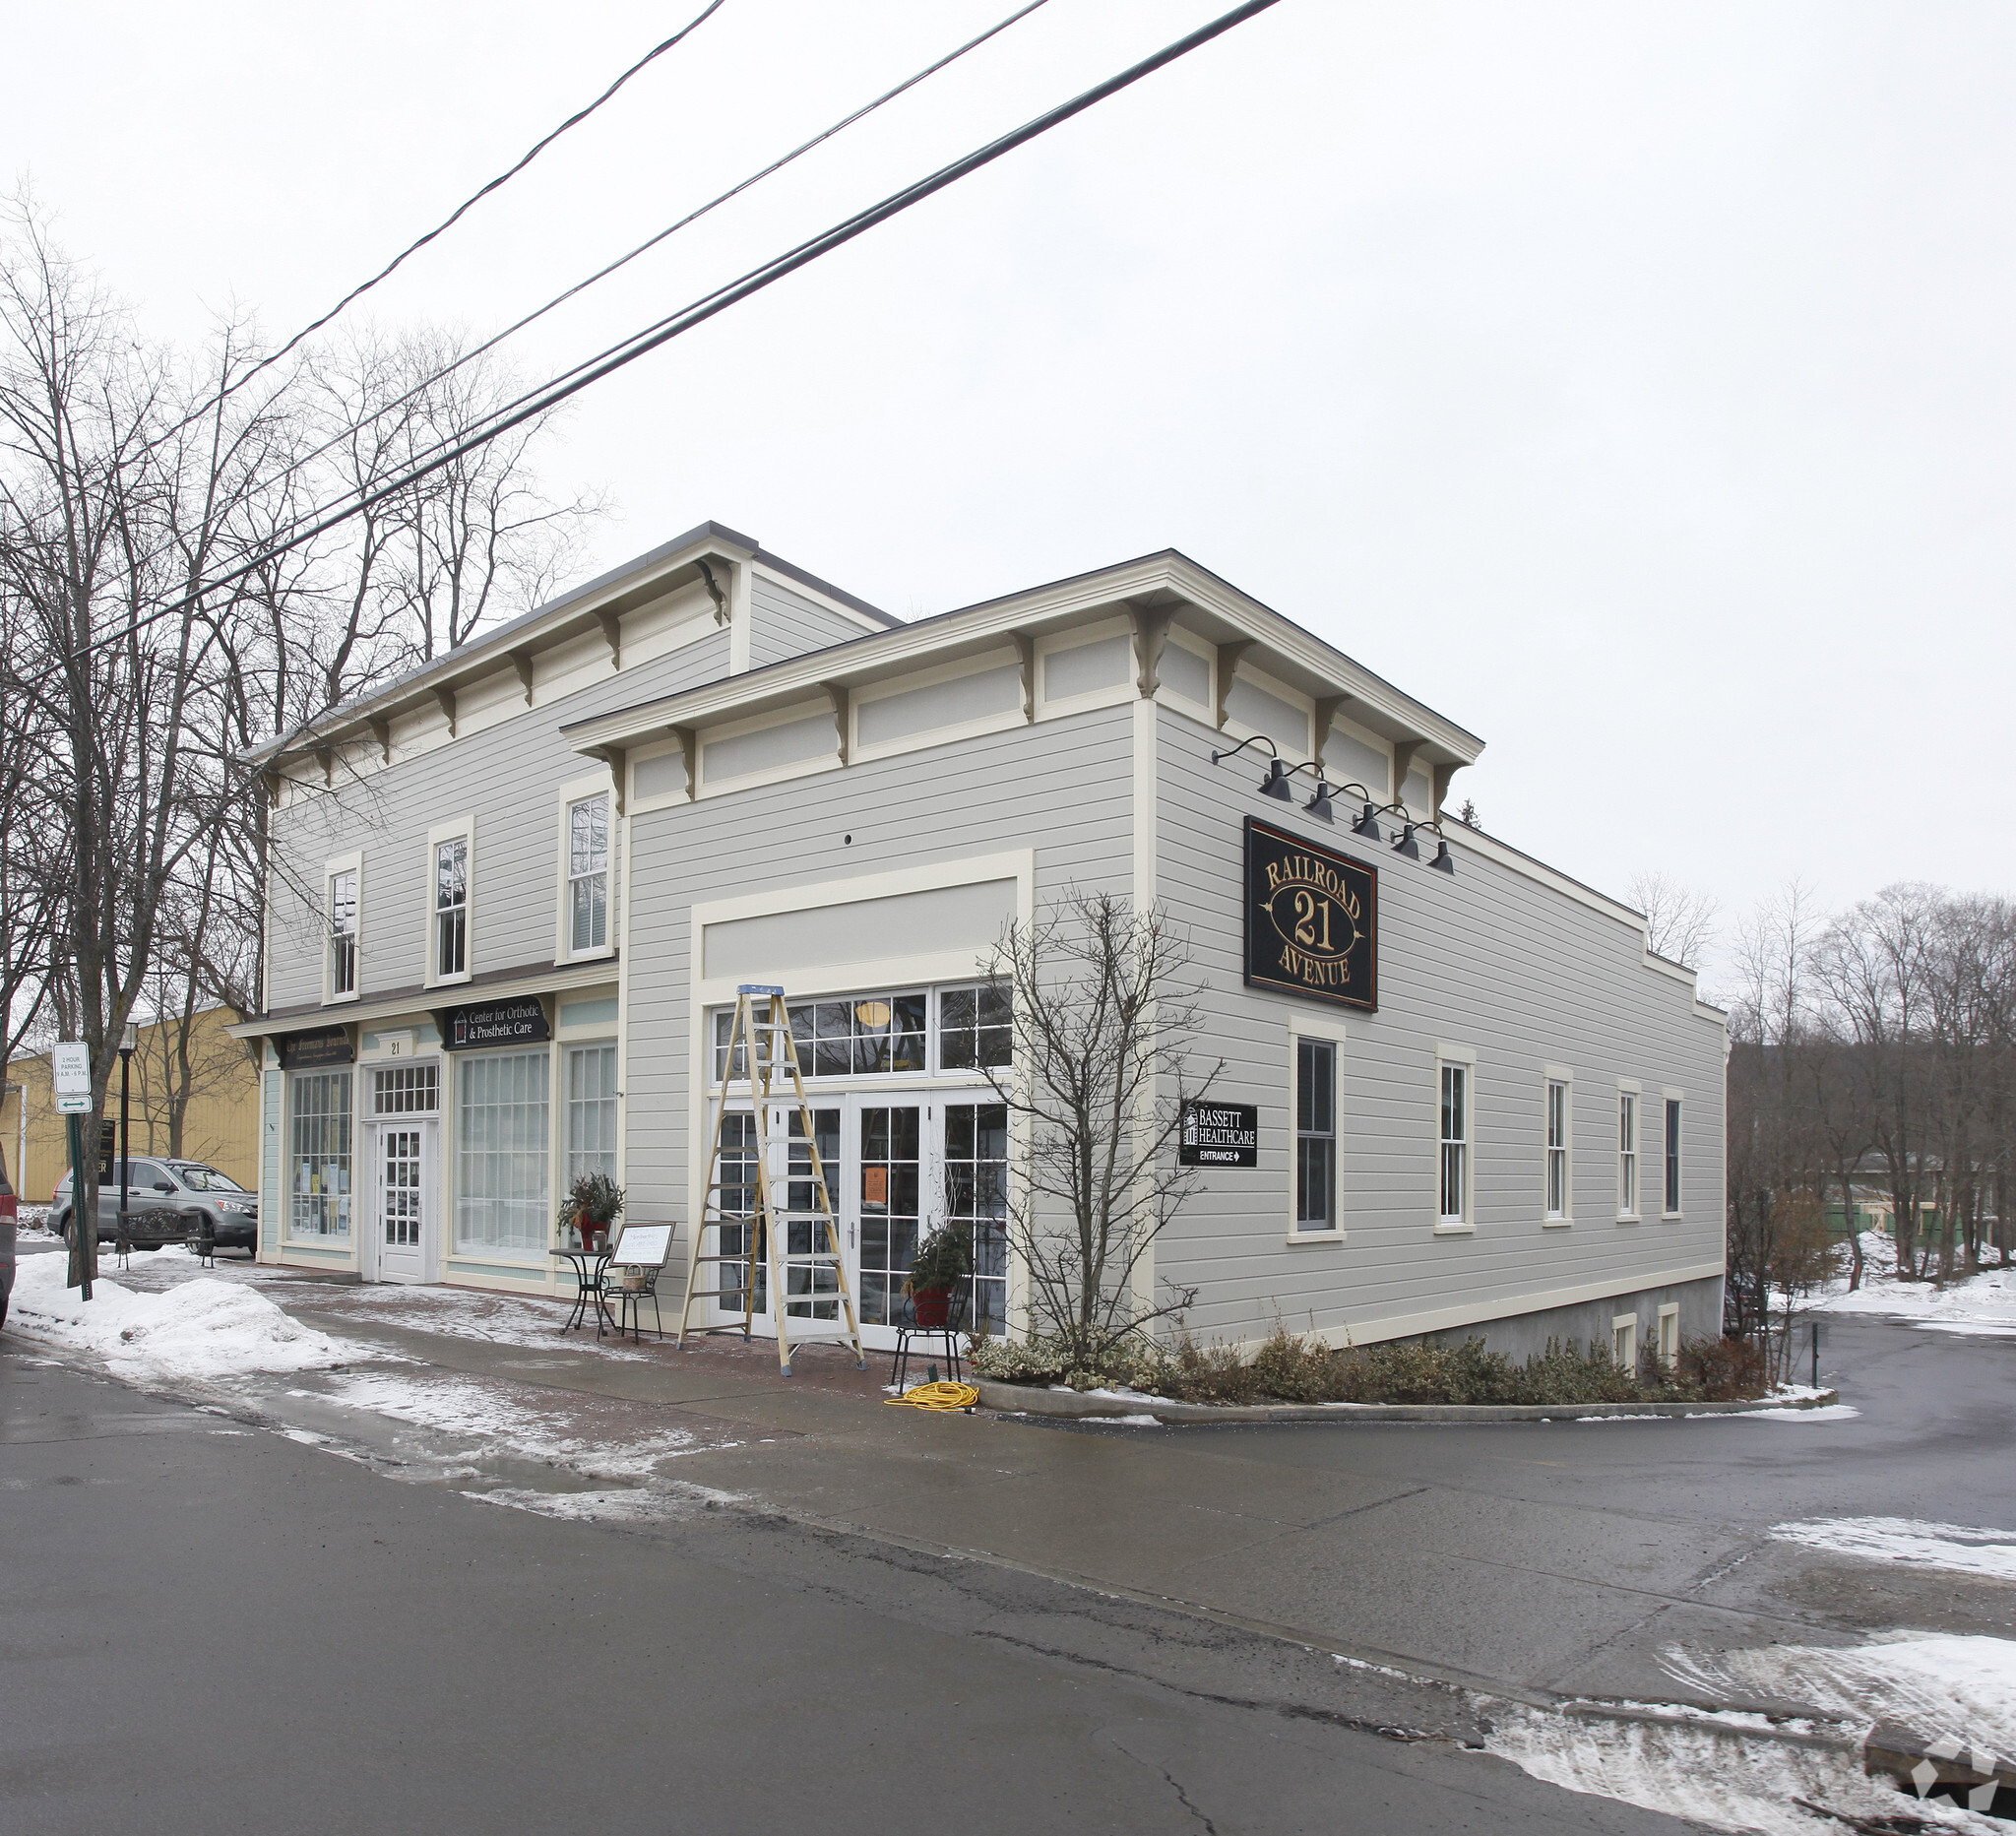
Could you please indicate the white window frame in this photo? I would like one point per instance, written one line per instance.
(1630, 1174)
(1625, 1324)
(353, 863)
(464, 831)
(1332, 1033)
(1678, 1187)
(1552, 1076)
(1463, 1058)
(575, 792)
(1669, 1334)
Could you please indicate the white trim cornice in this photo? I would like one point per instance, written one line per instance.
(1373, 702)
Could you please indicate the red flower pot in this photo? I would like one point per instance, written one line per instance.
(933, 1307)
(589, 1234)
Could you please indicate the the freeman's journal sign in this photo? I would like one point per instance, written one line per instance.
(1312, 919)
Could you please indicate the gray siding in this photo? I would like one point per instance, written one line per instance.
(1060, 786)
(509, 777)
(784, 623)
(1492, 960)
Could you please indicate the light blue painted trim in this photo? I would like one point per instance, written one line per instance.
(307, 1250)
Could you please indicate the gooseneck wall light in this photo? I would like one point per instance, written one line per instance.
(1370, 825)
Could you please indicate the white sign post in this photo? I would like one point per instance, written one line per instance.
(70, 1063)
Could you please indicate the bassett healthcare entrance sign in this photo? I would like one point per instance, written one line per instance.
(1312, 919)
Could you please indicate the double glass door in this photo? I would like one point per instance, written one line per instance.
(896, 1166)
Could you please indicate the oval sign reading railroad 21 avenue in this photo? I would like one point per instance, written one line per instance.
(1312, 919)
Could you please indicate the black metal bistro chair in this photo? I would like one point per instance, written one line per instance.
(909, 1333)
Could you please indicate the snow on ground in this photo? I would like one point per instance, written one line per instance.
(624, 1507)
(532, 1320)
(1952, 1547)
(1985, 1304)
(1721, 1769)
(201, 1328)
(492, 1418)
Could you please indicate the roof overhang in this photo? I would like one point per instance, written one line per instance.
(1166, 582)
(651, 575)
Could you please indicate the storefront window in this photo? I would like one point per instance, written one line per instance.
(887, 1034)
(977, 1195)
(892, 1150)
(590, 1110)
(864, 1035)
(500, 1201)
(319, 1155)
(975, 1032)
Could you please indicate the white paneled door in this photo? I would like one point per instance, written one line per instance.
(403, 1160)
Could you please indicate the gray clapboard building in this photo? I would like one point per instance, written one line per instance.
(514, 892)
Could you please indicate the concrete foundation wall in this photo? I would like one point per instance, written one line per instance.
(1521, 1336)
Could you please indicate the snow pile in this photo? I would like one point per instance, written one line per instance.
(1952, 1547)
(1985, 1304)
(1721, 1767)
(199, 1329)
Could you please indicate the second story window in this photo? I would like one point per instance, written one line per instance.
(451, 908)
(343, 932)
(1627, 1154)
(1557, 1147)
(588, 874)
(1453, 1197)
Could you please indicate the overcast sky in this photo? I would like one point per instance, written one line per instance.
(1631, 383)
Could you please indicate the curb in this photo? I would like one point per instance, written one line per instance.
(1026, 1400)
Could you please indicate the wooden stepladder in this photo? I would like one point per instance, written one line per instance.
(768, 1206)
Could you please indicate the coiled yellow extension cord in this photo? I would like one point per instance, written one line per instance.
(939, 1396)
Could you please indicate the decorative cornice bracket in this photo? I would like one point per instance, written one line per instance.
(841, 697)
(1328, 707)
(1229, 655)
(1151, 633)
(612, 634)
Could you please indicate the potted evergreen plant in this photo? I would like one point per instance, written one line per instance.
(592, 1203)
(941, 1263)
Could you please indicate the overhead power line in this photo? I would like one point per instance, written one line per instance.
(455, 215)
(650, 242)
(640, 344)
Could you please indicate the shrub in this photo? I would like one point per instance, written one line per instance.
(1292, 1369)
(1723, 1371)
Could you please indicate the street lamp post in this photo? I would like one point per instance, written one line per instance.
(127, 1042)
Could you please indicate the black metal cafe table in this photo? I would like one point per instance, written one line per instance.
(588, 1265)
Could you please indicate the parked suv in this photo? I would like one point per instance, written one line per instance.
(174, 1185)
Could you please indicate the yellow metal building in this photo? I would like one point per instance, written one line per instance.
(194, 1065)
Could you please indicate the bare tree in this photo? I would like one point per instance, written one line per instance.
(1103, 1011)
(133, 832)
(1680, 923)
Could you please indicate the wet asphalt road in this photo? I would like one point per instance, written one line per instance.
(216, 1629)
